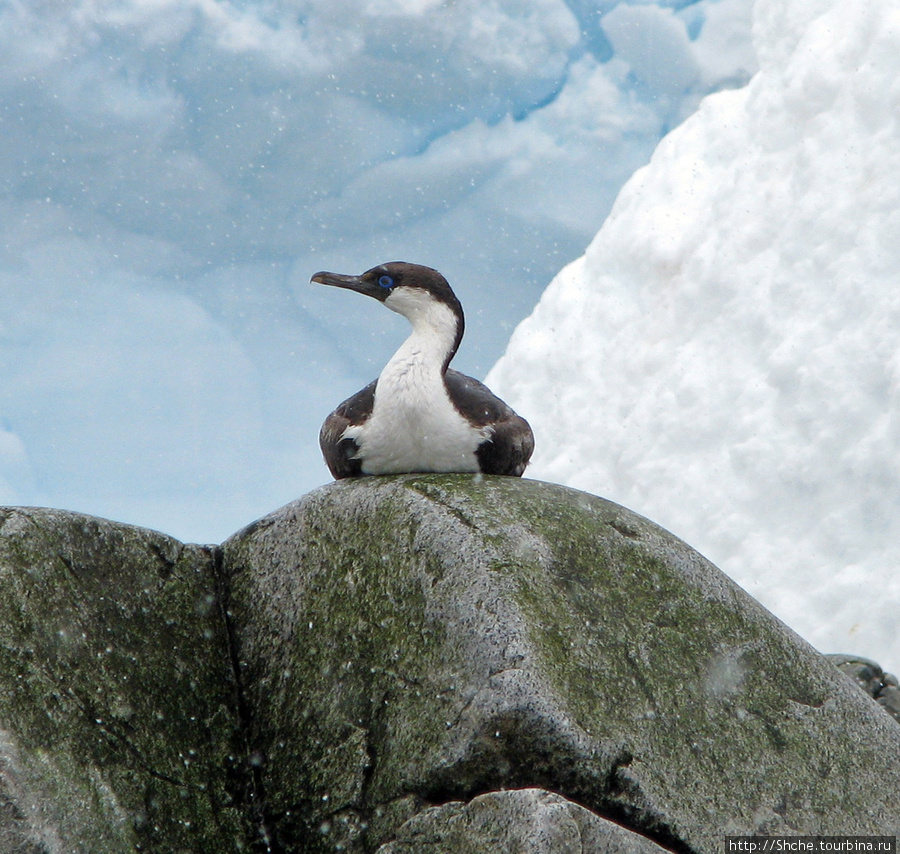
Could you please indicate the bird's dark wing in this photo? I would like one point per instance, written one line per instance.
(511, 443)
(340, 454)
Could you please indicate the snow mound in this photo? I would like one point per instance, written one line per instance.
(725, 357)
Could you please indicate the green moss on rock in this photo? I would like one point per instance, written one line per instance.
(116, 705)
(525, 820)
(414, 639)
(379, 663)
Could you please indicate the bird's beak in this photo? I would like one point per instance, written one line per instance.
(351, 283)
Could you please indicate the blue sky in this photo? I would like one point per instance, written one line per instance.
(172, 173)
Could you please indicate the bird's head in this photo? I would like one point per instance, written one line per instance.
(421, 294)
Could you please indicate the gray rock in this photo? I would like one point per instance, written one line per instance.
(526, 820)
(419, 663)
(889, 700)
(118, 719)
(868, 675)
(863, 671)
(415, 640)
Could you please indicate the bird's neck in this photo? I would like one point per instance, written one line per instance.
(436, 331)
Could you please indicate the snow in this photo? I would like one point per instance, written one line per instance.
(173, 171)
(725, 357)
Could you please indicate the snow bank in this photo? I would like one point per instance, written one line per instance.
(725, 358)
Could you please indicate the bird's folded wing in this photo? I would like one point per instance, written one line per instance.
(511, 442)
(340, 453)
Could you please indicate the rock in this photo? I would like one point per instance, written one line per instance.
(118, 719)
(889, 700)
(415, 664)
(527, 820)
(863, 671)
(410, 641)
(881, 686)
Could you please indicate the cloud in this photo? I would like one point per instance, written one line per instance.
(173, 172)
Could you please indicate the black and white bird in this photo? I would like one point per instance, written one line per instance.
(418, 416)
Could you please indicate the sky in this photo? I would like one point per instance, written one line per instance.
(172, 172)
(735, 327)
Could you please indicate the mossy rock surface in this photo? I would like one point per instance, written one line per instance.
(410, 641)
(523, 820)
(117, 704)
(416, 663)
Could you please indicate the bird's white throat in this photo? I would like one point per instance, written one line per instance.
(434, 323)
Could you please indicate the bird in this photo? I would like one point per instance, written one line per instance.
(420, 415)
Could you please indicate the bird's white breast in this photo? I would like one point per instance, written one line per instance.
(413, 425)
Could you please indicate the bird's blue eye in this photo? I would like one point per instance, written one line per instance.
(386, 282)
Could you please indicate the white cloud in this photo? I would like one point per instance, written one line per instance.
(173, 172)
(642, 36)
